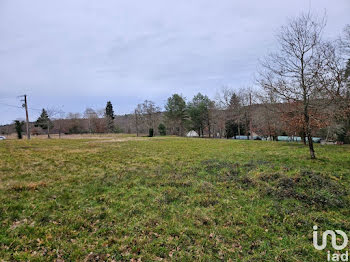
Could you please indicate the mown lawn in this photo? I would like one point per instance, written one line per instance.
(168, 199)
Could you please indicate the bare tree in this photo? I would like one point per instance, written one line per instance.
(228, 107)
(138, 118)
(267, 117)
(345, 40)
(223, 97)
(59, 119)
(220, 112)
(244, 107)
(336, 83)
(57, 115)
(150, 113)
(91, 115)
(331, 77)
(290, 73)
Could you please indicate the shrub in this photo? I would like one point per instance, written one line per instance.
(18, 127)
(162, 129)
(150, 132)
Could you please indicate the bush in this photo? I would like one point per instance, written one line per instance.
(75, 129)
(162, 129)
(18, 127)
(343, 135)
(150, 132)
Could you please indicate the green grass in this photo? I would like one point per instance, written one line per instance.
(169, 198)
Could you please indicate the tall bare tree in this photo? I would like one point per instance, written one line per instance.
(243, 106)
(267, 118)
(138, 118)
(58, 116)
(91, 115)
(291, 72)
(150, 114)
(222, 112)
(336, 80)
(345, 40)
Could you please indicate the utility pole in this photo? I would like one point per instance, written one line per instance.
(250, 115)
(25, 105)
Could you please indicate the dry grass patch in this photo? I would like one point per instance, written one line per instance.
(16, 186)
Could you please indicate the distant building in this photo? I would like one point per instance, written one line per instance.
(192, 133)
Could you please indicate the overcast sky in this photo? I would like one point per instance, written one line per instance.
(79, 53)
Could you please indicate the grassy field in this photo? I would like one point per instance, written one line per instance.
(125, 198)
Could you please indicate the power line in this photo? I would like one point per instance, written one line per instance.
(30, 108)
(34, 109)
(6, 98)
(11, 105)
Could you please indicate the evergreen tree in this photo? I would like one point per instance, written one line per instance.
(198, 110)
(175, 113)
(233, 129)
(150, 132)
(18, 127)
(109, 114)
(109, 110)
(235, 102)
(44, 122)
